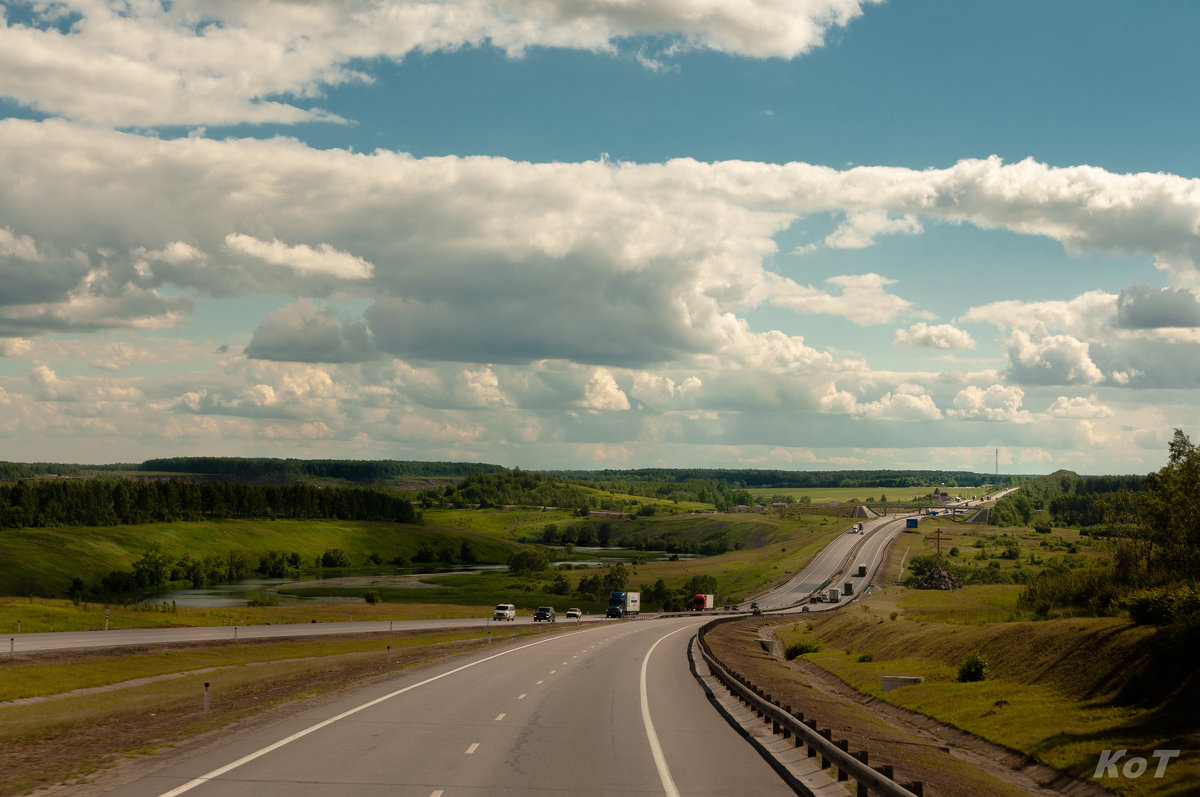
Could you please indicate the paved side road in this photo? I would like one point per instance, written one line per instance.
(65, 640)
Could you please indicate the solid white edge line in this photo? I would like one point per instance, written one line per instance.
(660, 761)
(219, 771)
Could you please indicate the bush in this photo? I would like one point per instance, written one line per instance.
(866, 657)
(335, 557)
(974, 668)
(800, 648)
(372, 596)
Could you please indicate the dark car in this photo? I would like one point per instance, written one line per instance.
(544, 613)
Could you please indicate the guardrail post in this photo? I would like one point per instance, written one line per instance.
(862, 790)
(828, 734)
(844, 746)
(389, 655)
(206, 697)
(885, 770)
(916, 787)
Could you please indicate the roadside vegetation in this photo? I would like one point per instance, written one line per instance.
(1065, 641)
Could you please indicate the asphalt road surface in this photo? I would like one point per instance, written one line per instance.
(607, 709)
(839, 561)
(63, 640)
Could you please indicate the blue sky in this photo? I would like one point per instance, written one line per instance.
(802, 235)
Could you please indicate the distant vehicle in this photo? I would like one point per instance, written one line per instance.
(754, 605)
(857, 528)
(803, 608)
(574, 613)
(862, 570)
(833, 595)
(621, 604)
(817, 599)
(756, 610)
(505, 611)
(731, 607)
(544, 613)
(703, 602)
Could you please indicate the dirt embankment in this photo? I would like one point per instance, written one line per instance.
(946, 760)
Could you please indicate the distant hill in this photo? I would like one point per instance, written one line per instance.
(287, 470)
(752, 478)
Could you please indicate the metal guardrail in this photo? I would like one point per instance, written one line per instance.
(849, 765)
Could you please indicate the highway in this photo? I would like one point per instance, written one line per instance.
(604, 709)
(839, 562)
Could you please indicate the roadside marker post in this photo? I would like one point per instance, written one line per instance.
(206, 697)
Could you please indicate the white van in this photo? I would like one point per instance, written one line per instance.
(505, 611)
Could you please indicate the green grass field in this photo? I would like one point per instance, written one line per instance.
(42, 561)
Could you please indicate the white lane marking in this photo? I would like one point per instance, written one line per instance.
(436, 793)
(660, 762)
(500, 717)
(219, 771)
(472, 748)
(553, 671)
(539, 682)
(521, 696)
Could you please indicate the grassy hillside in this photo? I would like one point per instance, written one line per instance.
(42, 561)
(1059, 689)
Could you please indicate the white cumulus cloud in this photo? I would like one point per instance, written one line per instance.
(933, 336)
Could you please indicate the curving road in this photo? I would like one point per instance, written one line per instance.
(608, 709)
(837, 563)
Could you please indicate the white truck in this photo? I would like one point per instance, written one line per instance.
(505, 611)
(833, 595)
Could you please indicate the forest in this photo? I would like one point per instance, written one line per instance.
(286, 470)
(107, 502)
(752, 478)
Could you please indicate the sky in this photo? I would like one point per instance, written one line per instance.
(794, 234)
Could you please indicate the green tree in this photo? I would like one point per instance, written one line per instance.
(335, 557)
(1171, 511)
(528, 561)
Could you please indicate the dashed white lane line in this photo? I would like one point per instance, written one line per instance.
(474, 746)
(521, 696)
(500, 717)
(436, 793)
(539, 682)
(216, 773)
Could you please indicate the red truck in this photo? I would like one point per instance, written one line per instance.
(702, 602)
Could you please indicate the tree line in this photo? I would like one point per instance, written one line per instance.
(1070, 500)
(755, 478)
(358, 471)
(108, 502)
(508, 488)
